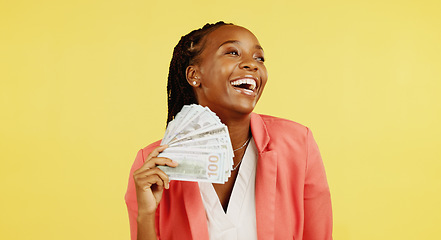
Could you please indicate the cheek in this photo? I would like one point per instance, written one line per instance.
(222, 73)
(218, 73)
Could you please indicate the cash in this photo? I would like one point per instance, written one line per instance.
(200, 143)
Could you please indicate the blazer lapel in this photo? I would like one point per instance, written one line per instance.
(266, 176)
(195, 210)
(266, 194)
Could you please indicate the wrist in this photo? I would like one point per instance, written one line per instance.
(145, 217)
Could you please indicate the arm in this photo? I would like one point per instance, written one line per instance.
(317, 199)
(146, 227)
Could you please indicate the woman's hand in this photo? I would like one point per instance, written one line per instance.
(150, 182)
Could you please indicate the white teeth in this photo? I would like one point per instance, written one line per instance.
(247, 90)
(249, 81)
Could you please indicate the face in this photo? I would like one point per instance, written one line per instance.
(230, 73)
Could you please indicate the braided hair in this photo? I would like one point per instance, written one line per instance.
(186, 53)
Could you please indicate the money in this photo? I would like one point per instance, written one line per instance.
(200, 143)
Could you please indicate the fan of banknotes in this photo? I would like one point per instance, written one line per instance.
(200, 143)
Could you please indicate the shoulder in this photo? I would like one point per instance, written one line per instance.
(281, 134)
(146, 150)
(281, 126)
(277, 120)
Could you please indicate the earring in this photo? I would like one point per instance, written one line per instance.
(194, 82)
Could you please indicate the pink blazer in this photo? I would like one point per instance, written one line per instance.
(292, 194)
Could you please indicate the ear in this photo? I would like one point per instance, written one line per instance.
(192, 76)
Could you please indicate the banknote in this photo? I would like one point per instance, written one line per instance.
(195, 165)
(200, 143)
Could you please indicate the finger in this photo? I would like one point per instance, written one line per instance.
(153, 171)
(157, 161)
(161, 161)
(156, 151)
(149, 182)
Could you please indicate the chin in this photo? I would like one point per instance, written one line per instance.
(245, 107)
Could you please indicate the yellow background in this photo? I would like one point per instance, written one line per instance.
(83, 89)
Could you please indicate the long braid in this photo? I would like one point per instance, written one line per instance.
(186, 52)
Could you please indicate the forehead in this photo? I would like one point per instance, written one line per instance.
(231, 33)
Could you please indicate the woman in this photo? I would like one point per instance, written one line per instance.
(278, 187)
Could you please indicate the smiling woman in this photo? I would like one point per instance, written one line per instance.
(278, 187)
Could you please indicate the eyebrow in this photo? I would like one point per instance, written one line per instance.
(235, 41)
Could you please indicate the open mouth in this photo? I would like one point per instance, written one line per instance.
(247, 85)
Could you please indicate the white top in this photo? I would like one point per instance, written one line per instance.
(239, 223)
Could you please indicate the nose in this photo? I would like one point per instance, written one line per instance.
(249, 64)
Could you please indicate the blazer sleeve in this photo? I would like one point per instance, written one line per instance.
(131, 202)
(130, 198)
(317, 198)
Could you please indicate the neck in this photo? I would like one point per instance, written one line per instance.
(239, 129)
(238, 123)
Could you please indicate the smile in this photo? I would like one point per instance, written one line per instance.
(244, 85)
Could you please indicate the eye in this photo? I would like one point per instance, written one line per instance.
(233, 52)
(260, 59)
